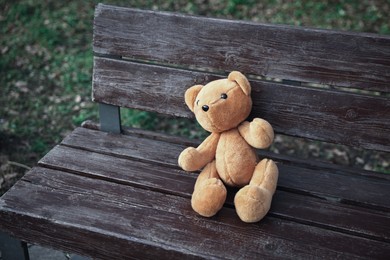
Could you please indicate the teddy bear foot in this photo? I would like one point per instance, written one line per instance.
(208, 197)
(252, 203)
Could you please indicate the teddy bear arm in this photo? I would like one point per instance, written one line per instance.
(258, 133)
(192, 159)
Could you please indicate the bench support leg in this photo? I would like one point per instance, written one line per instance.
(110, 118)
(12, 248)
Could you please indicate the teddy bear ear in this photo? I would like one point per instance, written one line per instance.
(190, 96)
(241, 80)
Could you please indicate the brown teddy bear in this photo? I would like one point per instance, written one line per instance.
(227, 154)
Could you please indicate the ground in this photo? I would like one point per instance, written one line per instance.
(46, 68)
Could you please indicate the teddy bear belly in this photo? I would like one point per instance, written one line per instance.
(235, 159)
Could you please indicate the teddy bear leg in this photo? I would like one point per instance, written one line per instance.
(209, 192)
(253, 201)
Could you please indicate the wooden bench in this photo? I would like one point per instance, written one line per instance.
(113, 193)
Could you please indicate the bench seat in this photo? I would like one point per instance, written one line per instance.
(115, 196)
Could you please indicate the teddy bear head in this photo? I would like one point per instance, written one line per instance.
(221, 104)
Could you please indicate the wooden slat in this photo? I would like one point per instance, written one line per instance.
(314, 164)
(119, 170)
(372, 193)
(330, 215)
(168, 178)
(347, 59)
(126, 146)
(120, 221)
(327, 183)
(345, 118)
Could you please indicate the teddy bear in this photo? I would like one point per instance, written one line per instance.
(227, 156)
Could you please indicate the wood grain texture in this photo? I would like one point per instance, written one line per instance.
(286, 159)
(373, 190)
(114, 196)
(326, 115)
(347, 59)
(120, 221)
(317, 182)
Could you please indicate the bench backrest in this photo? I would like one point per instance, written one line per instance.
(146, 60)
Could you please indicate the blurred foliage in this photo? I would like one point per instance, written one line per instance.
(46, 60)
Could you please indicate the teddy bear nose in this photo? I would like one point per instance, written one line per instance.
(205, 108)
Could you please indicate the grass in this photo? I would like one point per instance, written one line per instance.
(46, 61)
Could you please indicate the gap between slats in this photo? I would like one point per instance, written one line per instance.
(326, 115)
(309, 55)
(284, 196)
(227, 219)
(77, 139)
(188, 188)
(286, 159)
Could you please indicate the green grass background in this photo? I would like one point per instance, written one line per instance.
(46, 60)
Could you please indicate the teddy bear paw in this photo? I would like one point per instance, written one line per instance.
(189, 159)
(209, 197)
(252, 203)
(261, 129)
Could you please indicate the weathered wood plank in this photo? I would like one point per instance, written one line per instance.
(373, 192)
(126, 146)
(121, 217)
(345, 118)
(332, 215)
(348, 59)
(169, 179)
(79, 220)
(120, 170)
(181, 142)
(313, 164)
(174, 181)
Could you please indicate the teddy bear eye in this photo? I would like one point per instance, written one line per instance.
(197, 102)
(223, 96)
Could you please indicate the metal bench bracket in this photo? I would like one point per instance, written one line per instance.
(110, 118)
(12, 248)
